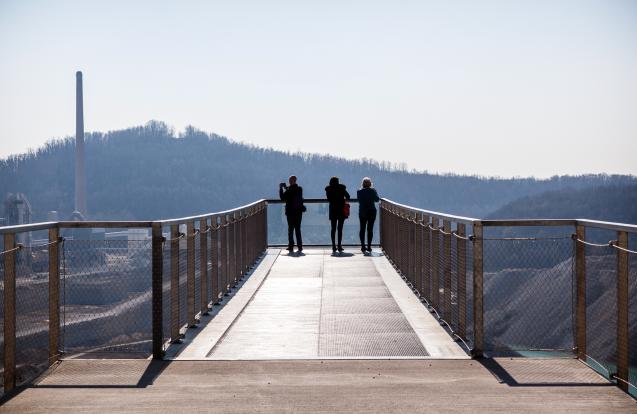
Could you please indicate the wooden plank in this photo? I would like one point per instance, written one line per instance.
(9, 312)
(623, 347)
(54, 294)
(580, 293)
(478, 294)
(157, 290)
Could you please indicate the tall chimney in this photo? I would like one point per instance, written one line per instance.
(80, 172)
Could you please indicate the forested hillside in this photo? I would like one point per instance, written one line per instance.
(149, 172)
(616, 203)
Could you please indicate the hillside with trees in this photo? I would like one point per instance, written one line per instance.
(150, 172)
(616, 203)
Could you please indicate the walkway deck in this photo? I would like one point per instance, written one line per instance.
(329, 386)
(320, 305)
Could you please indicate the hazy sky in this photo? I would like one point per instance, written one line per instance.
(508, 88)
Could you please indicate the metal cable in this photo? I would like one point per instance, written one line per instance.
(609, 244)
(444, 232)
(17, 247)
(527, 238)
(181, 236)
(623, 248)
(46, 244)
(456, 235)
(623, 380)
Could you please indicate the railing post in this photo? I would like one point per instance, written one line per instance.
(242, 243)
(411, 251)
(446, 243)
(190, 274)
(435, 265)
(157, 290)
(427, 258)
(264, 225)
(622, 311)
(54, 294)
(231, 251)
(478, 286)
(418, 247)
(462, 280)
(203, 265)
(214, 259)
(224, 255)
(9, 312)
(174, 283)
(580, 276)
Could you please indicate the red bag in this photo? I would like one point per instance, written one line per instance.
(346, 210)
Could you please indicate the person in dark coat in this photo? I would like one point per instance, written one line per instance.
(337, 194)
(367, 197)
(294, 208)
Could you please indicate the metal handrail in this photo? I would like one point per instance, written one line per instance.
(308, 200)
(436, 214)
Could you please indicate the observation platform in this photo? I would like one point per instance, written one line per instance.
(321, 333)
(208, 314)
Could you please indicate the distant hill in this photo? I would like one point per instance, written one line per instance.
(616, 203)
(149, 172)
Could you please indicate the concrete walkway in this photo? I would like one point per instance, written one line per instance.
(320, 305)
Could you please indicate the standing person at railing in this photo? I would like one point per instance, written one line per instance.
(294, 209)
(367, 197)
(337, 194)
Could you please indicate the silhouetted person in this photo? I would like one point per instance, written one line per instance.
(337, 194)
(294, 208)
(367, 197)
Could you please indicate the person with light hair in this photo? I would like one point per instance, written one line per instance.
(367, 197)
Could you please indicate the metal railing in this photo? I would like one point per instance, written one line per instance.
(512, 287)
(524, 287)
(81, 292)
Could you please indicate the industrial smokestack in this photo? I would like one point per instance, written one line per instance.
(80, 172)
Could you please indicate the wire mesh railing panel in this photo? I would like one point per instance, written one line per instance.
(528, 302)
(106, 297)
(601, 302)
(315, 225)
(32, 312)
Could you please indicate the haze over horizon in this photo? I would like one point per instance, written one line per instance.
(516, 89)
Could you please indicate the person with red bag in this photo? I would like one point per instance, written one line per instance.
(339, 210)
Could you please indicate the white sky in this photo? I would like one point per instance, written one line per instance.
(505, 88)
